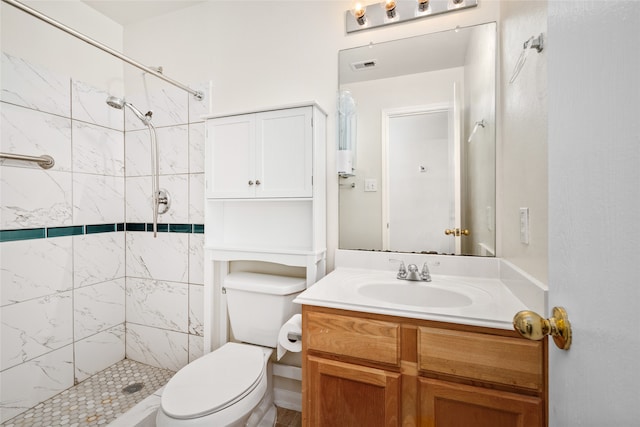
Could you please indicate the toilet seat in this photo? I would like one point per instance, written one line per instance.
(214, 381)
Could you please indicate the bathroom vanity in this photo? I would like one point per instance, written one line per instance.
(372, 362)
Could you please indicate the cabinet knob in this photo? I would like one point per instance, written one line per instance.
(258, 182)
(534, 327)
(250, 182)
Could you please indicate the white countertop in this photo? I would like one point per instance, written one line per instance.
(493, 304)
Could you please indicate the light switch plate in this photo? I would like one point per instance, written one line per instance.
(371, 184)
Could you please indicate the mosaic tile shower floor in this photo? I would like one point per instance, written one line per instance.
(96, 401)
(100, 399)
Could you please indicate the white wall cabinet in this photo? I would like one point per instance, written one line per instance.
(265, 198)
(265, 154)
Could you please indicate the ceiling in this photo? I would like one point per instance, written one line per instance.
(420, 54)
(126, 12)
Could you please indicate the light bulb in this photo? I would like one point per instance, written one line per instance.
(390, 8)
(359, 13)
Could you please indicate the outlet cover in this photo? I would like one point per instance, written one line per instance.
(524, 225)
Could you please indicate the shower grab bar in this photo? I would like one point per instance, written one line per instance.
(44, 161)
(196, 93)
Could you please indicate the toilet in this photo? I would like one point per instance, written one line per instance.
(232, 386)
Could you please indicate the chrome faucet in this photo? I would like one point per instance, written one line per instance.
(412, 273)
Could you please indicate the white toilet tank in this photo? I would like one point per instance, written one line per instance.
(259, 304)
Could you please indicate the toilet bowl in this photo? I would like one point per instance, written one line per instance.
(222, 388)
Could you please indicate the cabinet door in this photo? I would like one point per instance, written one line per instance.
(346, 395)
(230, 157)
(284, 153)
(444, 404)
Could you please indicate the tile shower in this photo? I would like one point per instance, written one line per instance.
(84, 285)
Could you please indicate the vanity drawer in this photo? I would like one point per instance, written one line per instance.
(489, 358)
(368, 339)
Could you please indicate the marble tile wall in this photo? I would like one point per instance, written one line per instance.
(79, 298)
(164, 285)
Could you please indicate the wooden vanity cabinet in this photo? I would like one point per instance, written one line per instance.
(366, 369)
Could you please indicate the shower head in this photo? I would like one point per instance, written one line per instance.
(119, 103)
(115, 102)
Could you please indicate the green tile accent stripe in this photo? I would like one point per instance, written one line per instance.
(77, 230)
(100, 228)
(162, 228)
(73, 230)
(181, 228)
(135, 226)
(25, 234)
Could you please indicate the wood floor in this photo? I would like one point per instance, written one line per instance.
(288, 418)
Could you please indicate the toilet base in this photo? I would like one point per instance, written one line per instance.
(268, 420)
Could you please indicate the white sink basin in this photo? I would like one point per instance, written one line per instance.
(420, 294)
(478, 301)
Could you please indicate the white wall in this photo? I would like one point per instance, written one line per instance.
(37, 42)
(265, 53)
(522, 151)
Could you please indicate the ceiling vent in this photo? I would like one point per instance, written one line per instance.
(364, 65)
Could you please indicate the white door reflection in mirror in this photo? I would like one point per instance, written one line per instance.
(419, 176)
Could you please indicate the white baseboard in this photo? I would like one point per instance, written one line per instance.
(287, 399)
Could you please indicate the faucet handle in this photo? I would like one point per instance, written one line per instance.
(402, 271)
(425, 274)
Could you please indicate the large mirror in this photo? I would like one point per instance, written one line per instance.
(424, 174)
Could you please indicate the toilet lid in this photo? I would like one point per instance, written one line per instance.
(214, 381)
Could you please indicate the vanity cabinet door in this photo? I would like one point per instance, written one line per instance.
(445, 404)
(348, 395)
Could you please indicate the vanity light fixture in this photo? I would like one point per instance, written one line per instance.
(391, 11)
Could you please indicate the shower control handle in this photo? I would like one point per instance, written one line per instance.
(250, 182)
(258, 182)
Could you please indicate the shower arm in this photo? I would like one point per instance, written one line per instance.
(199, 95)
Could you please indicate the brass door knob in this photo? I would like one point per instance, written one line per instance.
(535, 327)
(456, 232)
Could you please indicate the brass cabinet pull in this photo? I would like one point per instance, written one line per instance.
(457, 232)
(535, 327)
